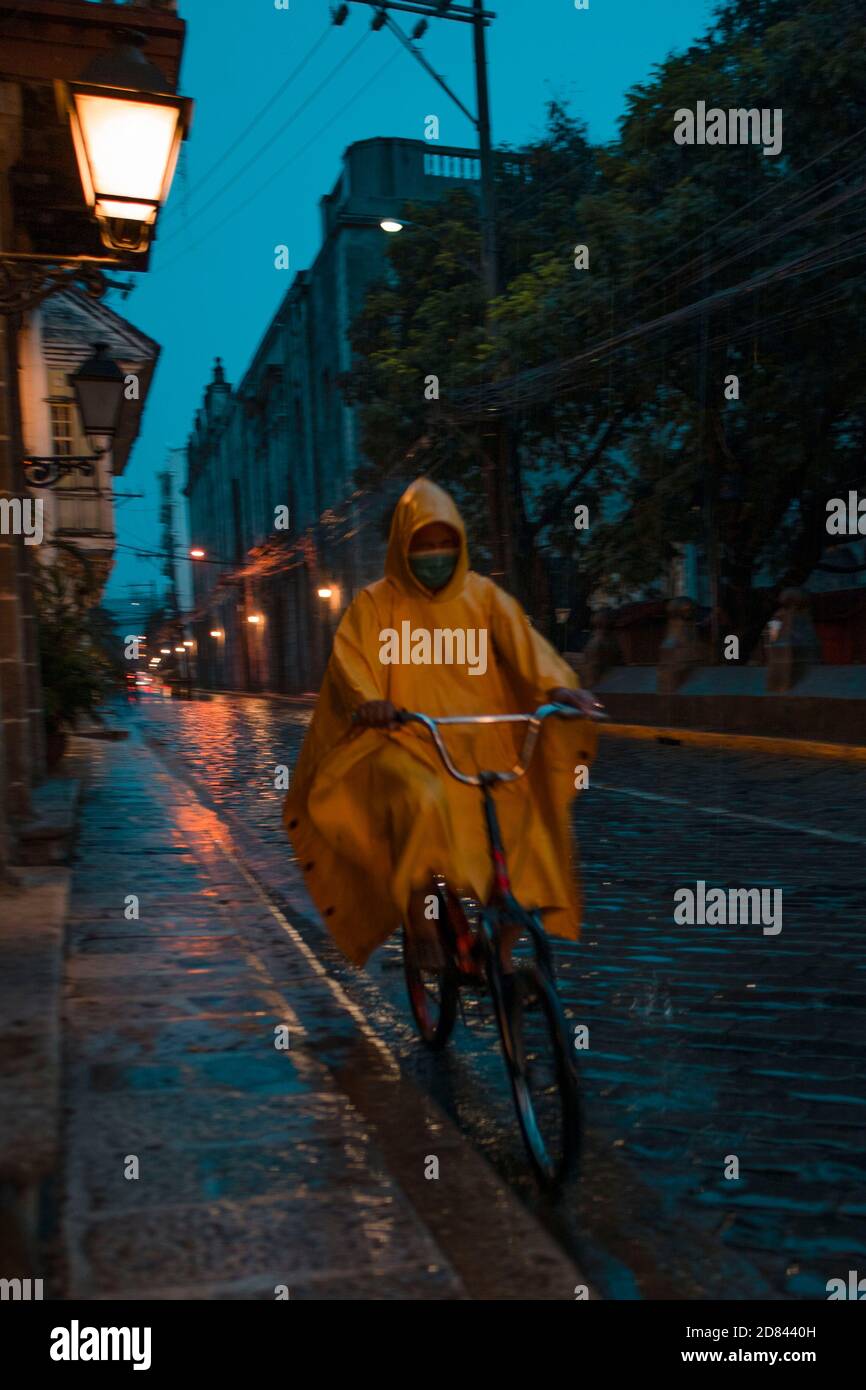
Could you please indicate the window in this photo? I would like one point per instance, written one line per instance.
(61, 428)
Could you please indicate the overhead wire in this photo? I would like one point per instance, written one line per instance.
(221, 162)
(239, 207)
(269, 143)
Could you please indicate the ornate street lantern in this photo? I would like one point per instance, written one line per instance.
(98, 386)
(126, 128)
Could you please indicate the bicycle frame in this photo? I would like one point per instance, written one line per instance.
(502, 900)
(530, 985)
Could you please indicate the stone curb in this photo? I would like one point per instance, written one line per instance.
(744, 743)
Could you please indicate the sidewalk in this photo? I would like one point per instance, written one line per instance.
(201, 1161)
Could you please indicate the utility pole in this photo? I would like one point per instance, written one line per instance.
(166, 516)
(495, 440)
(489, 264)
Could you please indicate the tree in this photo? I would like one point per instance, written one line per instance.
(704, 264)
(427, 320)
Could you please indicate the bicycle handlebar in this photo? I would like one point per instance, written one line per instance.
(534, 720)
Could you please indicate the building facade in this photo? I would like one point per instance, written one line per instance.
(288, 537)
(78, 511)
(48, 240)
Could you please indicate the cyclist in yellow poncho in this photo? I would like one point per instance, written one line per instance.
(371, 814)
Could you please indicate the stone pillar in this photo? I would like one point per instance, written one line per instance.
(795, 647)
(680, 650)
(26, 561)
(601, 651)
(13, 696)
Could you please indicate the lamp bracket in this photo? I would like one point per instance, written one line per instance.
(47, 470)
(25, 281)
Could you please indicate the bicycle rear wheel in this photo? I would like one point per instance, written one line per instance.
(543, 1074)
(432, 997)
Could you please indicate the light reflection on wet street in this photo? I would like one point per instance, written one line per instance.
(704, 1041)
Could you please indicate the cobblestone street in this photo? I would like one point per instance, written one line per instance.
(705, 1042)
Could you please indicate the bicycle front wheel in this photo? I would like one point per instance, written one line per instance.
(432, 997)
(543, 1073)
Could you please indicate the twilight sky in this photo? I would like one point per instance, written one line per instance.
(212, 287)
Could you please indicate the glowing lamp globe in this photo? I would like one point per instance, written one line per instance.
(126, 128)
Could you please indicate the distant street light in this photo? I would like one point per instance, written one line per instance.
(391, 224)
(166, 651)
(180, 650)
(196, 553)
(126, 128)
(324, 593)
(188, 644)
(216, 632)
(254, 618)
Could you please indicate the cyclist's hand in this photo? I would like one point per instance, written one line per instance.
(376, 714)
(582, 700)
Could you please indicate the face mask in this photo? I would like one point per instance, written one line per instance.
(433, 568)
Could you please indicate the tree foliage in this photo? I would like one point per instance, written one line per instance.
(705, 262)
(76, 642)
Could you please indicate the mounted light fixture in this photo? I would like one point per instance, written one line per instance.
(126, 128)
(196, 553)
(98, 386)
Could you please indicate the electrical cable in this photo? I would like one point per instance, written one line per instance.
(268, 106)
(269, 143)
(281, 170)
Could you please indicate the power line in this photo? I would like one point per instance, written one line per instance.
(268, 144)
(477, 400)
(281, 170)
(268, 106)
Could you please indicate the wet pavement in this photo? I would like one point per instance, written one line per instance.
(232, 1128)
(707, 1044)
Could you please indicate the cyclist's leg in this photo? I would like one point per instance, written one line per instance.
(423, 930)
(419, 832)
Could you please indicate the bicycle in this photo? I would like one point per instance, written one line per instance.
(539, 1061)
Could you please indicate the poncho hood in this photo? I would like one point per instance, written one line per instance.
(422, 503)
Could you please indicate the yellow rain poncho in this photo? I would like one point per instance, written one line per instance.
(371, 812)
